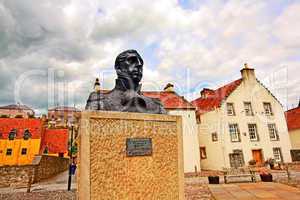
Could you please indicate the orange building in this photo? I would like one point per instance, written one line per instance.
(55, 142)
(20, 140)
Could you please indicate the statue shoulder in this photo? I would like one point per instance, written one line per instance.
(158, 104)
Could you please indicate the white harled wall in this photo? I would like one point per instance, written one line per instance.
(190, 139)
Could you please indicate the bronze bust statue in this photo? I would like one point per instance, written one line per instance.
(126, 96)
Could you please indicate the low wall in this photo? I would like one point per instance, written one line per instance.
(49, 166)
(16, 176)
(43, 167)
(294, 166)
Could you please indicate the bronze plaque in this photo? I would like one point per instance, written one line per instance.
(138, 147)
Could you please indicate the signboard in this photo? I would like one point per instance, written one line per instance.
(138, 147)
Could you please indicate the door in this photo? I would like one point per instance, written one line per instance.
(236, 159)
(257, 156)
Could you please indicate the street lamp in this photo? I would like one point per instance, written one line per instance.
(71, 159)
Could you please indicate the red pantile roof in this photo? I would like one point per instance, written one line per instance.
(56, 140)
(170, 100)
(214, 98)
(293, 118)
(34, 126)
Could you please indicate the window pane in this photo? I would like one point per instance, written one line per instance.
(248, 108)
(267, 108)
(230, 109)
(9, 152)
(24, 151)
(203, 153)
(252, 131)
(214, 137)
(277, 154)
(234, 132)
(272, 131)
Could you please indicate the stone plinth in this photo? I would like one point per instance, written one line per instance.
(105, 170)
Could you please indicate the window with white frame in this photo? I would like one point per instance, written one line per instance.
(268, 108)
(248, 108)
(230, 109)
(252, 128)
(234, 133)
(273, 132)
(277, 154)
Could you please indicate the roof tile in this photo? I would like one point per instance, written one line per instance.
(33, 125)
(170, 100)
(56, 140)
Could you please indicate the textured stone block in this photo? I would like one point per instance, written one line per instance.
(105, 172)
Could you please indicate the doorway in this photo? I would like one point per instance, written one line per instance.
(257, 156)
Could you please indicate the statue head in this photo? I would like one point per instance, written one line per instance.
(129, 65)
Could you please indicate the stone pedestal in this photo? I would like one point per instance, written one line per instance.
(107, 170)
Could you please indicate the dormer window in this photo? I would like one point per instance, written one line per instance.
(12, 134)
(26, 135)
(230, 109)
(268, 108)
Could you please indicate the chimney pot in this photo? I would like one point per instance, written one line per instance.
(169, 88)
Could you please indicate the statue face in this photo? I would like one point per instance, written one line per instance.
(131, 67)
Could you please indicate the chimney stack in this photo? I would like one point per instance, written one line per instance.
(206, 93)
(97, 85)
(247, 73)
(169, 88)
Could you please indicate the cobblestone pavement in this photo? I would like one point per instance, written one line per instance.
(197, 191)
(55, 189)
(255, 191)
(193, 191)
(196, 188)
(43, 195)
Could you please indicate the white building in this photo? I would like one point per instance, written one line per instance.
(178, 105)
(239, 122)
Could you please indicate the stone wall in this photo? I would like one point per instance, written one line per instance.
(15, 176)
(49, 166)
(43, 167)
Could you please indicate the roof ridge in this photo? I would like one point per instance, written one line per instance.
(220, 94)
(292, 109)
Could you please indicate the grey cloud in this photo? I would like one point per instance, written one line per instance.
(82, 40)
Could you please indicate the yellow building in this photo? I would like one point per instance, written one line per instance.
(20, 140)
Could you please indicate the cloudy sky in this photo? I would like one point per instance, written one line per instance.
(52, 51)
